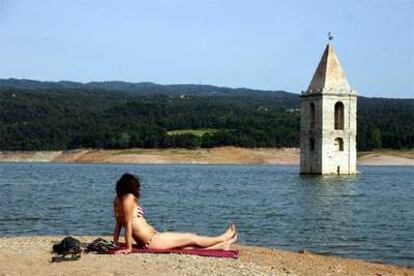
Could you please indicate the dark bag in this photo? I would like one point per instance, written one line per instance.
(101, 246)
(68, 245)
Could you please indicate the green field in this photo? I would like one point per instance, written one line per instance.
(196, 132)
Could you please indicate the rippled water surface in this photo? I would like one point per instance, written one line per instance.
(368, 216)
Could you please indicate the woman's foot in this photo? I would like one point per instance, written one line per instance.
(230, 242)
(224, 245)
(230, 232)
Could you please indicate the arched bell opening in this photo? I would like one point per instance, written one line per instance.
(339, 115)
(339, 144)
(312, 115)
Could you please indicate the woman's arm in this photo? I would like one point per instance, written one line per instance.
(117, 231)
(128, 204)
(118, 224)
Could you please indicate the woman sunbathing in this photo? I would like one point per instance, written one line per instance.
(130, 216)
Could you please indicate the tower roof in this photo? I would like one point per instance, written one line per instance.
(329, 74)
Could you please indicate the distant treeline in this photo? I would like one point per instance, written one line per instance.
(57, 119)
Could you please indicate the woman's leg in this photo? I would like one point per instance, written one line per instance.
(224, 245)
(168, 240)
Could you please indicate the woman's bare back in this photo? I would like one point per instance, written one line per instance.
(142, 232)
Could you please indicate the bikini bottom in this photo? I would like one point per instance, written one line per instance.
(146, 246)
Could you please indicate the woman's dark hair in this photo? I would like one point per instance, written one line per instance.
(127, 184)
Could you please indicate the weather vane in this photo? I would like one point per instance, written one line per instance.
(330, 36)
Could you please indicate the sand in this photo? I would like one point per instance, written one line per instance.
(31, 256)
(220, 155)
(384, 157)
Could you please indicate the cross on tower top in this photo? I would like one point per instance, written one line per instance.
(330, 36)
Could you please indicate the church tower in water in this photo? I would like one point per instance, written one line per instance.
(328, 120)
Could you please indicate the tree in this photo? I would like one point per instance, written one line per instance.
(375, 141)
(123, 140)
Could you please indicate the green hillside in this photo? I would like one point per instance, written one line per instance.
(67, 118)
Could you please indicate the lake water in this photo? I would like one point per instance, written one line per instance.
(368, 216)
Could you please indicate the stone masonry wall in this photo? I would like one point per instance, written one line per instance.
(326, 158)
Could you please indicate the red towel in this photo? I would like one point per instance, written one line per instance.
(200, 252)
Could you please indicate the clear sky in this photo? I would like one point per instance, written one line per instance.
(264, 44)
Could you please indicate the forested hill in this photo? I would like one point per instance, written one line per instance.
(66, 115)
(143, 88)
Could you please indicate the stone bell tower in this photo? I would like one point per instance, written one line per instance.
(328, 120)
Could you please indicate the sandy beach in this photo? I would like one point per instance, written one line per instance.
(221, 155)
(31, 256)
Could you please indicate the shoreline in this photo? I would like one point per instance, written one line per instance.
(219, 155)
(30, 255)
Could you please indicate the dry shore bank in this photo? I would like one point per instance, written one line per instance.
(31, 256)
(221, 155)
